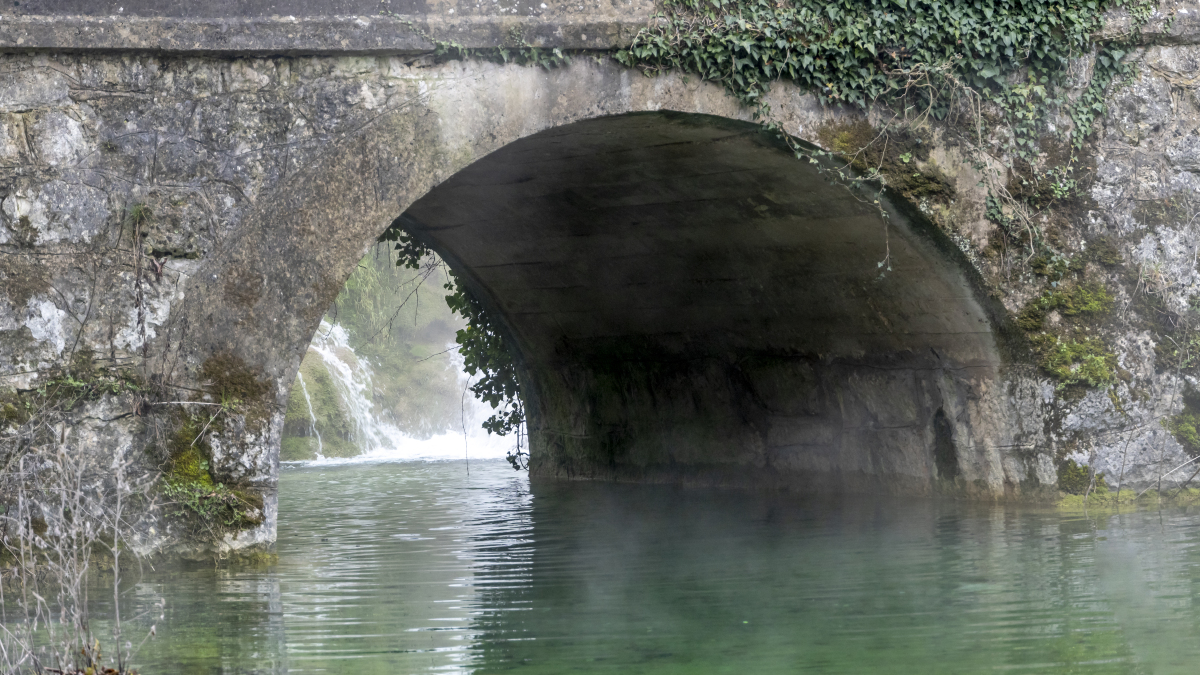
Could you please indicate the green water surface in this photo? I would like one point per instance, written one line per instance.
(419, 568)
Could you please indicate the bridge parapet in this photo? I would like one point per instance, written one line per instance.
(314, 27)
(373, 27)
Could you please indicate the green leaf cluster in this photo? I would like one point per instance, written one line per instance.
(486, 353)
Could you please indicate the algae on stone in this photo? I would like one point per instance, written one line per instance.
(1075, 479)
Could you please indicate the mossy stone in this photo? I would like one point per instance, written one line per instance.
(1075, 479)
(1076, 363)
(1185, 426)
(235, 382)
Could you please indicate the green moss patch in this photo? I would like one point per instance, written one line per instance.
(190, 467)
(212, 510)
(188, 446)
(1076, 363)
(1107, 498)
(1081, 300)
(1155, 213)
(894, 154)
(1105, 252)
(1074, 479)
(192, 497)
(198, 502)
(230, 378)
(237, 386)
(1185, 426)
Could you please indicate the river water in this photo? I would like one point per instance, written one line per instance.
(418, 567)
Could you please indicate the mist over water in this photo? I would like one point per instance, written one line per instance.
(418, 567)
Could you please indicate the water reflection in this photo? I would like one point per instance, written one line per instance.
(420, 568)
(654, 580)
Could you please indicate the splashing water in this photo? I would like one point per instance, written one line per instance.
(378, 439)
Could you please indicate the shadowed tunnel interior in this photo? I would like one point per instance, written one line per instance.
(691, 303)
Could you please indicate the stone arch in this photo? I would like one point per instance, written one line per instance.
(691, 303)
(848, 402)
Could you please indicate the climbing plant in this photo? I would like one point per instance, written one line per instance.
(1000, 65)
(486, 354)
(917, 55)
(909, 61)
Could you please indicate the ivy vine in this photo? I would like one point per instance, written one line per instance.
(486, 354)
(911, 60)
(910, 54)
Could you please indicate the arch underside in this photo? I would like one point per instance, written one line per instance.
(691, 303)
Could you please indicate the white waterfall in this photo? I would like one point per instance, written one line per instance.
(377, 438)
(312, 416)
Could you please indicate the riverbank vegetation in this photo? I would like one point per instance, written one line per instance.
(66, 520)
(1108, 498)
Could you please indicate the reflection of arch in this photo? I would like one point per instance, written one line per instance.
(735, 335)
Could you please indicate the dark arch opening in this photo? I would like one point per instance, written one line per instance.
(691, 303)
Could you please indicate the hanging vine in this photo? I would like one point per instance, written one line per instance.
(486, 354)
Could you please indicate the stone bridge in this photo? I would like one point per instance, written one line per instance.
(183, 192)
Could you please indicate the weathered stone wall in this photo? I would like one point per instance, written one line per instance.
(267, 178)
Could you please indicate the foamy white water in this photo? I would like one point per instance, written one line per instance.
(448, 446)
(378, 439)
